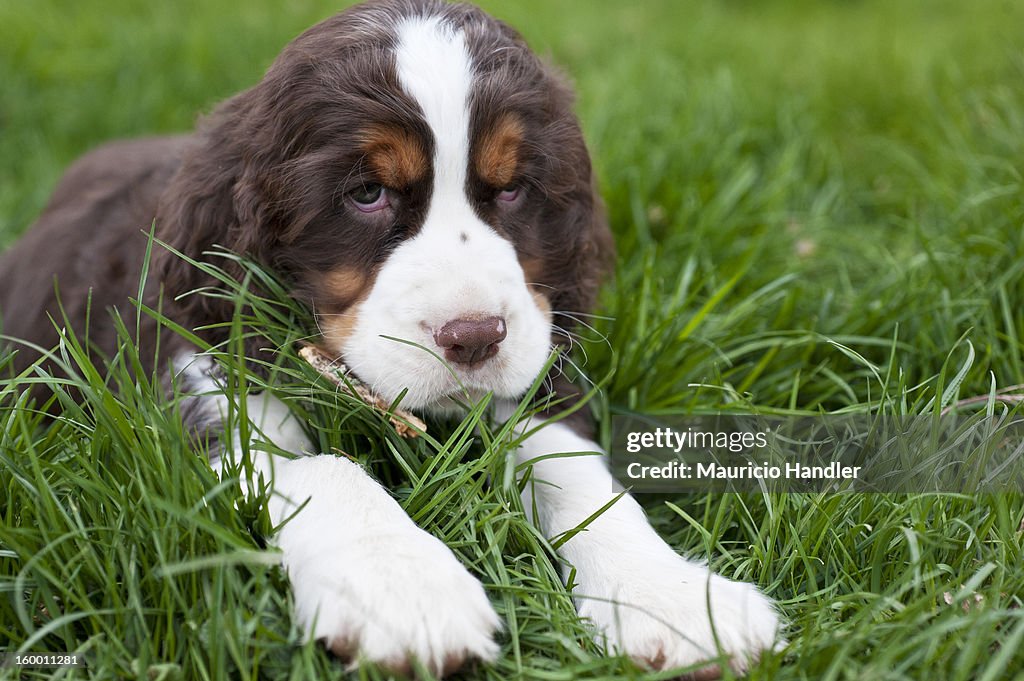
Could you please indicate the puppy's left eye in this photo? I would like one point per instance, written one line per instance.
(370, 198)
(508, 194)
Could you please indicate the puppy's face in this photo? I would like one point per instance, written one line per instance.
(427, 189)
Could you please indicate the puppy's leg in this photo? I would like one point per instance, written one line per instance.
(645, 599)
(365, 578)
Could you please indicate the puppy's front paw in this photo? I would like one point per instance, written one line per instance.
(394, 598)
(666, 612)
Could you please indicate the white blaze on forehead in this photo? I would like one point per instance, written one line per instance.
(435, 69)
(455, 266)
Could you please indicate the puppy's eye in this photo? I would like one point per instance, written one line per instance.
(370, 198)
(507, 194)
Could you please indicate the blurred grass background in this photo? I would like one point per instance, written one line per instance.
(818, 205)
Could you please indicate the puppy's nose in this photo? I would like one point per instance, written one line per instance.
(469, 341)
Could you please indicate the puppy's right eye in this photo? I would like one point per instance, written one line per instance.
(370, 198)
(508, 194)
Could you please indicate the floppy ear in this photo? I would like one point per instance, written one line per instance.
(585, 261)
(577, 265)
(589, 258)
(580, 263)
(213, 200)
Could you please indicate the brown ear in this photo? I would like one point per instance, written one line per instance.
(212, 201)
(585, 259)
(587, 262)
(590, 259)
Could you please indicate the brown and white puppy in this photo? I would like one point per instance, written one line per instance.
(413, 172)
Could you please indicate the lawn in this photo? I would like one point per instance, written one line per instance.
(818, 206)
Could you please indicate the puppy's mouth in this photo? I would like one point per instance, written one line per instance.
(464, 386)
(456, 384)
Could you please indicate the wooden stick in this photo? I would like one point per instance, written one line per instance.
(405, 423)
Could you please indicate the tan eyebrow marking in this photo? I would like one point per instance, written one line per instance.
(395, 155)
(498, 154)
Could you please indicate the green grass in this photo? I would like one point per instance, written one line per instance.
(818, 206)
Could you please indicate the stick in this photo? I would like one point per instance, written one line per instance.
(405, 423)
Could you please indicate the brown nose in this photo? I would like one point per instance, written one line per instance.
(469, 341)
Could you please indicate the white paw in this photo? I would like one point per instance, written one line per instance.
(392, 598)
(654, 607)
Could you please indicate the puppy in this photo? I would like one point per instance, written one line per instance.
(412, 171)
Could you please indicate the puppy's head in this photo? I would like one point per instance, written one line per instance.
(418, 176)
